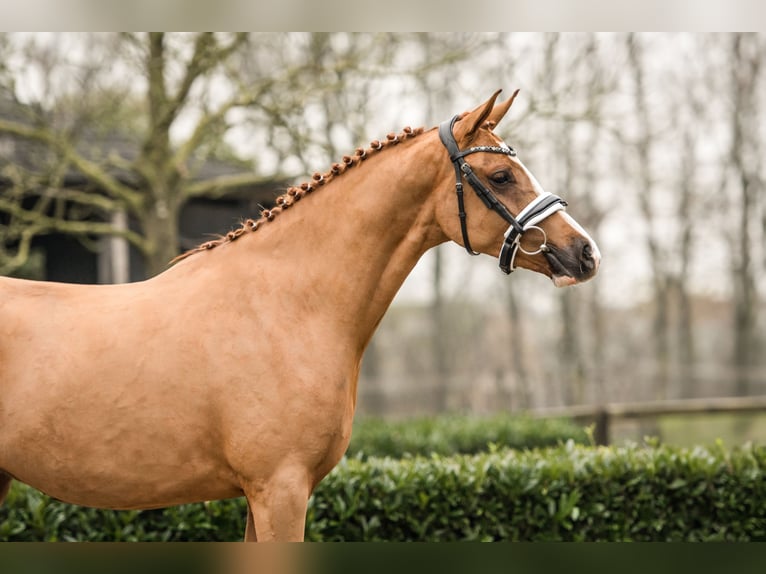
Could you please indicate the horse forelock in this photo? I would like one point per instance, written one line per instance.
(295, 193)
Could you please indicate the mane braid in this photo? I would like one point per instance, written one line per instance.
(296, 193)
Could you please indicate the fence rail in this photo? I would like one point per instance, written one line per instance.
(604, 415)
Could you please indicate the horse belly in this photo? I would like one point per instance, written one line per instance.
(99, 404)
(116, 429)
(132, 462)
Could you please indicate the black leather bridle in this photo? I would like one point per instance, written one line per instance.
(538, 209)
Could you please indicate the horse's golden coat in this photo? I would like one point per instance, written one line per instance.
(234, 372)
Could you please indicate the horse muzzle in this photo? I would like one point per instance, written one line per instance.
(576, 263)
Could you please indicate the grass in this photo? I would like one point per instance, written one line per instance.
(690, 430)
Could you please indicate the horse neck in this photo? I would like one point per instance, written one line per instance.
(344, 251)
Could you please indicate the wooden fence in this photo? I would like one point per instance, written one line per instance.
(604, 415)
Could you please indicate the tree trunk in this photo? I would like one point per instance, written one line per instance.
(521, 377)
(645, 176)
(598, 344)
(438, 335)
(160, 224)
(744, 156)
(685, 332)
(573, 376)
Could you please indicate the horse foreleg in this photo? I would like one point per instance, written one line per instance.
(250, 535)
(277, 509)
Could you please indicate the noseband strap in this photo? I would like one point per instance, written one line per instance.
(538, 209)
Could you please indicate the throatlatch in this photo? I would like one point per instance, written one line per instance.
(538, 209)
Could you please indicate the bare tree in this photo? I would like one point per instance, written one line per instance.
(745, 68)
(688, 189)
(646, 176)
(156, 177)
(301, 98)
(684, 331)
(438, 59)
(572, 75)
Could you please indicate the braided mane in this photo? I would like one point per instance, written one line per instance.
(296, 193)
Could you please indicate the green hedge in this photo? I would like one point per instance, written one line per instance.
(28, 515)
(567, 493)
(562, 494)
(456, 434)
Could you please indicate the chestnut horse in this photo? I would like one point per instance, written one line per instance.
(234, 372)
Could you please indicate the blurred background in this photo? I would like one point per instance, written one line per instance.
(118, 151)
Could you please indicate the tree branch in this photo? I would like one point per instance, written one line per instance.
(201, 130)
(224, 185)
(42, 224)
(92, 171)
(79, 197)
(203, 126)
(10, 264)
(155, 67)
(207, 55)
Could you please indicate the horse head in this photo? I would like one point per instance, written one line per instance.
(503, 210)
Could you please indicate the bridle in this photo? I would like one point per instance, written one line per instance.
(538, 209)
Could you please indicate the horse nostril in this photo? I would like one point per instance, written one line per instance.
(587, 262)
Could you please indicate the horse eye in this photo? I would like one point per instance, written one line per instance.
(502, 177)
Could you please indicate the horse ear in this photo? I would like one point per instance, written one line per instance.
(499, 111)
(469, 124)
